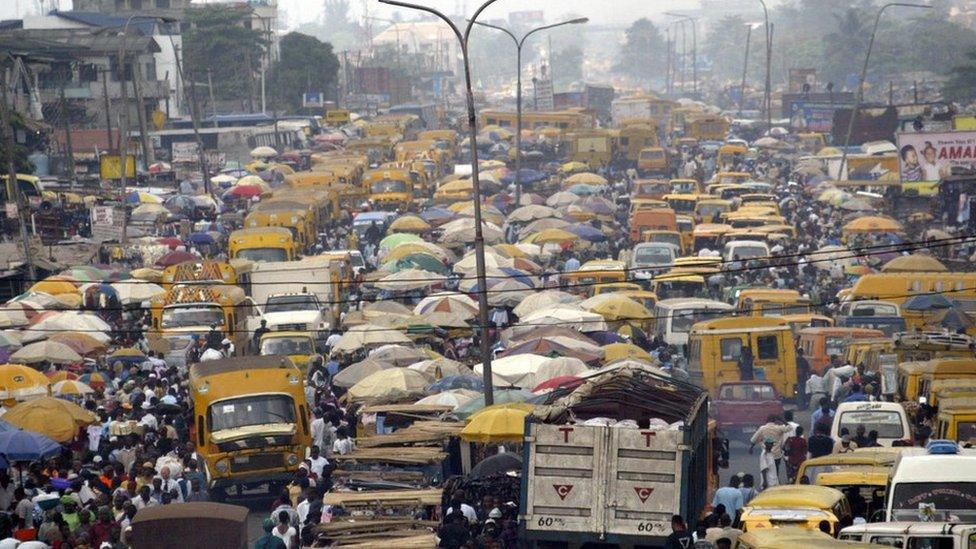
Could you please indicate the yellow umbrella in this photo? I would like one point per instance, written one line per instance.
(620, 351)
(389, 385)
(872, 224)
(408, 224)
(496, 425)
(585, 178)
(491, 164)
(573, 167)
(510, 250)
(550, 236)
(149, 275)
(52, 417)
(456, 186)
(20, 381)
(54, 286)
(71, 387)
(614, 306)
(914, 263)
(410, 248)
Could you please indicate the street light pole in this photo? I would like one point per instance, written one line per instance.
(519, 42)
(860, 82)
(479, 239)
(694, 47)
(767, 102)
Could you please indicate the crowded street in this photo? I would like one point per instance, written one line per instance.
(375, 276)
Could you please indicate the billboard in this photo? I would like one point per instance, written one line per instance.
(800, 77)
(927, 157)
(812, 117)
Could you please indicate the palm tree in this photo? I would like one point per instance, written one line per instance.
(847, 44)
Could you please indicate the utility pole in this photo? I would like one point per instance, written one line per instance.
(12, 185)
(123, 137)
(745, 69)
(213, 101)
(196, 125)
(147, 150)
(108, 108)
(667, 70)
(250, 84)
(67, 136)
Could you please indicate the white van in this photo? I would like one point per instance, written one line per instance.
(676, 316)
(906, 535)
(933, 487)
(887, 418)
(744, 250)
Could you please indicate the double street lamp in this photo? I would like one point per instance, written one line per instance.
(864, 72)
(519, 42)
(694, 49)
(479, 239)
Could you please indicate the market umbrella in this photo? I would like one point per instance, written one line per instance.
(263, 152)
(46, 351)
(461, 381)
(573, 167)
(409, 279)
(493, 260)
(382, 308)
(409, 224)
(596, 204)
(448, 302)
(525, 176)
(81, 343)
(927, 302)
(132, 292)
(556, 347)
(9, 340)
(461, 231)
(398, 355)
(587, 232)
(439, 368)
(560, 367)
(148, 212)
(453, 398)
(872, 224)
(13, 315)
(496, 425)
(368, 335)
(525, 214)
(495, 465)
(61, 375)
(17, 445)
(410, 248)
(857, 205)
(581, 189)
(52, 417)
(585, 178)
(97, 380)
(54, 285)
(559, 382)
(562, 315)
(551, 236)
(500, 397)
(543, 299)
(139, 197)
(395, 239)
(561, 198)
(126, 355)
(18, 381)
(619, 351)
(914, 263)
(614, 306)
(354, 373)
(389, 385)
(70, 388)
(422, 261)
(149, 275)
(513, 370)
(437, 216)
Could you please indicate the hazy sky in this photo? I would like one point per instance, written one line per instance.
(620, 12)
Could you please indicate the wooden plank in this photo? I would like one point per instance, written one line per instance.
(385, 497)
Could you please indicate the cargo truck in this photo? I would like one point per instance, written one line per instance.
(616, 485)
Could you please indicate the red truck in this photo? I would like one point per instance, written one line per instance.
(742, 406)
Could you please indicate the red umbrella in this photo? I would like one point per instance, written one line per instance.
(244, 191)
(171, 241)
(569, 382)
(174, 258)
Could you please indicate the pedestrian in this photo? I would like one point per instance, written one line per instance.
(823, 414)
(795, 450)
(284, 531)
(767, 465)
(814, 389)
(820, 443)
(343, 444)
(846, 444)
(679, 538)
(730, 496)
(774, 429)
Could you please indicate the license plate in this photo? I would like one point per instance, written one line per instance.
(240, 460)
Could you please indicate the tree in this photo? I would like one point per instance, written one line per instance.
(961, 85)
(642, 56)
(725, 43)
(218, 42)
(846, 46)
(335, 26)
(306, 65)
(567, 66)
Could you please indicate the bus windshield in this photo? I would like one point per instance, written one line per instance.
(887, 424)
(263, 254)
(944, 498)
(251, 410)
(186, 316)
(287, 346)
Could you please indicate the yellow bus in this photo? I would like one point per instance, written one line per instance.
(298, 221)
(390, 189)
(185, 310)
(262, 244)
(898, 287)
(564, 121)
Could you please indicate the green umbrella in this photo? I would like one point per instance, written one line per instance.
(395, 239)
(501, 396)
(424, 262)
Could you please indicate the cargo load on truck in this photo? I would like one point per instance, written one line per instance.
(614, 459)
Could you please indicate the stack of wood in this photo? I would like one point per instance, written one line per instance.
(373, 519)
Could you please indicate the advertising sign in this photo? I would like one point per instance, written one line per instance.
(799, 77)
(106, 223)
(544, 97)
(185, 152)
(927, 157)
(313, 100)
(110, 166)
(812, 117)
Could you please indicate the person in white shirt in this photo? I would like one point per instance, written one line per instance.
(767, 465)
(318, 428)
(343, 444)
(211, 354)
(317, 462)
(169, 485)
(815, 389)
(285, 531)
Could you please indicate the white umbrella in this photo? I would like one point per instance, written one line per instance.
(441, 367)
(578, 319)
(545, 298)
(446, 301)
(562, 198)
(532, 212)
(461, 231)
(409, 279)
(46, 351)
(131, 291)
(70, 387)
(455, 398)
(493, 260)
(514, 370)
(67, 322)
(398, 355)
(368, 335)
(263, 152)
(558, 367)
(12, 316)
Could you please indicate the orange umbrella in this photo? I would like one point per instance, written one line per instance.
(83, 344)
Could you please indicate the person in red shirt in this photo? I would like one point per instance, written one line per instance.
(104, 530)
(795, 451)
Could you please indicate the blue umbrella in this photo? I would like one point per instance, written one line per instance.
(927, 302)
(201, 238)
(455, 382)
(20, 445)
(526, 175)
(587, 232)
(584, 189)
(606, 338)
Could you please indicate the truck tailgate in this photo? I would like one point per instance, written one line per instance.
(645, 471)
(566, 468)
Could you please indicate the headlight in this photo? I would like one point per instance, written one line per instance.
(292, 460)
(222, 466)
